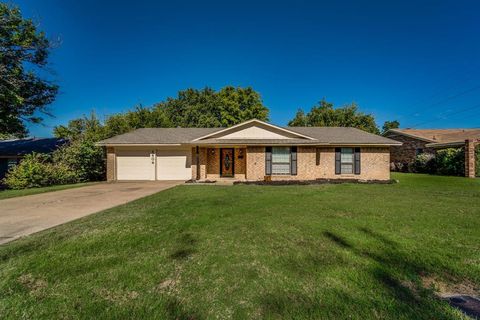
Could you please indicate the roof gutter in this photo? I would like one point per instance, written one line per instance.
(100, 144)
(445, 144)
(408, 135)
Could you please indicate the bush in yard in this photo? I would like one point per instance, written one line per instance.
(37, 170)
(424, 163)
(451, 161)
(83, 158)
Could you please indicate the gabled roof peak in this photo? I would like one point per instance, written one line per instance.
(252, 122)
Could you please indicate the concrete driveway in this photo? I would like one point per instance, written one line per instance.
(22, 216)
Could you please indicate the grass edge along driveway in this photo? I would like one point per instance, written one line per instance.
(8, 193)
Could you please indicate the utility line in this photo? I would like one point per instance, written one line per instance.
(449, 98)
(448, 115)
(437, 93)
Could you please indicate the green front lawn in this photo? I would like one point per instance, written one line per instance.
(298, 252)
(5, 194)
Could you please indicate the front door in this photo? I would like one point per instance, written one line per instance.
(226, 162)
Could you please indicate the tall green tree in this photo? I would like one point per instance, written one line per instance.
(387, 125)
(325, 115)
(24, 93)
(208, 108)
(205, 108)
(139, 117)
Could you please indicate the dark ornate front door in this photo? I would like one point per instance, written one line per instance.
(226, 162)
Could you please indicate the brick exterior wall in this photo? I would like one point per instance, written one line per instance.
(110, 164)
(202, 159)
(240, 163)
(213, 163)
(375, 164)
(255, 163)
(406, 153)
(209, 159)
(470, 157)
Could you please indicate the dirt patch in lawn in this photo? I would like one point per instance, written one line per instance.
(446, 289)
(36, 287)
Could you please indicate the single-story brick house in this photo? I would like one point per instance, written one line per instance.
(418, 141)
(253, 150)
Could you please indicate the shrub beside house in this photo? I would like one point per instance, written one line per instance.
(78, 161)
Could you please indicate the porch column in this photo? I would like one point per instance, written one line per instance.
(470, 158)
(110, 164)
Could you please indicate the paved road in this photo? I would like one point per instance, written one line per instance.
(22, 216)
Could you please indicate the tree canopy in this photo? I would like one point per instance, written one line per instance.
(325, 115)
(208, 108)
(24, 93)
(205, 108)
(387, 125)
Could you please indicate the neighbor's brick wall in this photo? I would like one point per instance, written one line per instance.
(470, 157)
(375, 164)
(406, 153)
(110, 164)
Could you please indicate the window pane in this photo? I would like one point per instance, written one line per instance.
(347, 155)
(347, 168)
(280, 160)
(280, 168)
(281, 154)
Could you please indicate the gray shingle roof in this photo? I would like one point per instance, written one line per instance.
(159, 136)
(256, 141)
(322, 135)
(343, 135)
(438, 135)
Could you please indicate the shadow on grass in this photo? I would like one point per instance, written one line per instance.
(185, 247)
(175, 310)
(394, 271)
(394, 284)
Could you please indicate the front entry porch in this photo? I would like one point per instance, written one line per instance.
(219, 163)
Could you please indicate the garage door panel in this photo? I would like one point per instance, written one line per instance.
(135, 165)
(174, 165)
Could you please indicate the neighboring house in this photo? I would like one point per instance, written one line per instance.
(253, 150)
(417, 141)
(12, 151)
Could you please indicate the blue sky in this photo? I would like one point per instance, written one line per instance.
(415, 61)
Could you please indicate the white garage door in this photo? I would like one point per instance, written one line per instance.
(174, 165)
(135, 165)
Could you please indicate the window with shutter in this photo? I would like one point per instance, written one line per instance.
(347, 160)
(268, 161)
(281, 160)
(357, 161)
(293, 163)
(338, 153)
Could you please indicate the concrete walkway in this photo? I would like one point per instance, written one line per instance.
(22, 216)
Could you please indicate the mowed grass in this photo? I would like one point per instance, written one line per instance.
(249, 252)
(5, 194)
